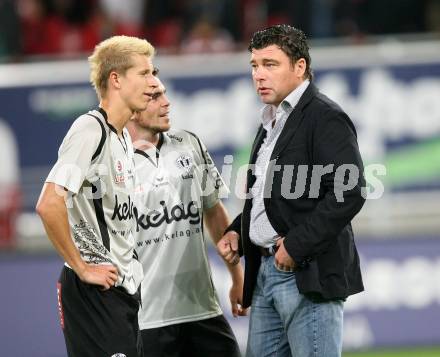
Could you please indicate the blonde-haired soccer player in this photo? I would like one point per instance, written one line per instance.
(86, 207)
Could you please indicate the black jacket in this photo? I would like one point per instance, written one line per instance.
(317, 227)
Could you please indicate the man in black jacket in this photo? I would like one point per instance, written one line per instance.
(304, 186)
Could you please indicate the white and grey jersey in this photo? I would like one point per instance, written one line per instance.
(96, 166)
(175, 183)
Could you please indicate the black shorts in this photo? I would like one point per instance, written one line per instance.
(204, 338)
(97, 323)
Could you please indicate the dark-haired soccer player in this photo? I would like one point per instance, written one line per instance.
(178, 189)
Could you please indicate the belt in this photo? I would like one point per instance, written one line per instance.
(267, 252)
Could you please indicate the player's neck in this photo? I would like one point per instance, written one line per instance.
(151, 136)
(117, 115)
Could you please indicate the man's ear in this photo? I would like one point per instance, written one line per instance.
(300, 67)
(114, 80)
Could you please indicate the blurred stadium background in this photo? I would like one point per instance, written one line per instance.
(380, 59)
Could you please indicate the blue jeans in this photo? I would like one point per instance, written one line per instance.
(284, 323)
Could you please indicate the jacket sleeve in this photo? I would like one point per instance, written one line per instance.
(236, 227)
(340, 189)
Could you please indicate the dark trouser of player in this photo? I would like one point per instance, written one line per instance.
(98, 323)
(205, 338)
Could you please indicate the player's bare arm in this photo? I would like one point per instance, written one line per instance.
(217, 220)
(52, 209)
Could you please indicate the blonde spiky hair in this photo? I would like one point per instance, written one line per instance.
(115, 54)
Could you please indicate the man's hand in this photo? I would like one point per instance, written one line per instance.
(236, 298)
(282, 259)
(52, 209)
(227, 247)
(105, 276)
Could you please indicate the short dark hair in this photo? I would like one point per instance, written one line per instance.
(290, 40)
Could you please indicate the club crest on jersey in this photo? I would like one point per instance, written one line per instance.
(119, 168)
(184, 162)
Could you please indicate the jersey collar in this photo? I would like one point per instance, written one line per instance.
(104, 114)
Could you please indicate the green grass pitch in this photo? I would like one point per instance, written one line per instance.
(407, 352)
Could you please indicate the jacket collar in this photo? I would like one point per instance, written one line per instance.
(292, 123)
(294, 120)
(261, 134)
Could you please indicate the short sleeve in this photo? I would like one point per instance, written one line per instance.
(75, 154)
(213, 186)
